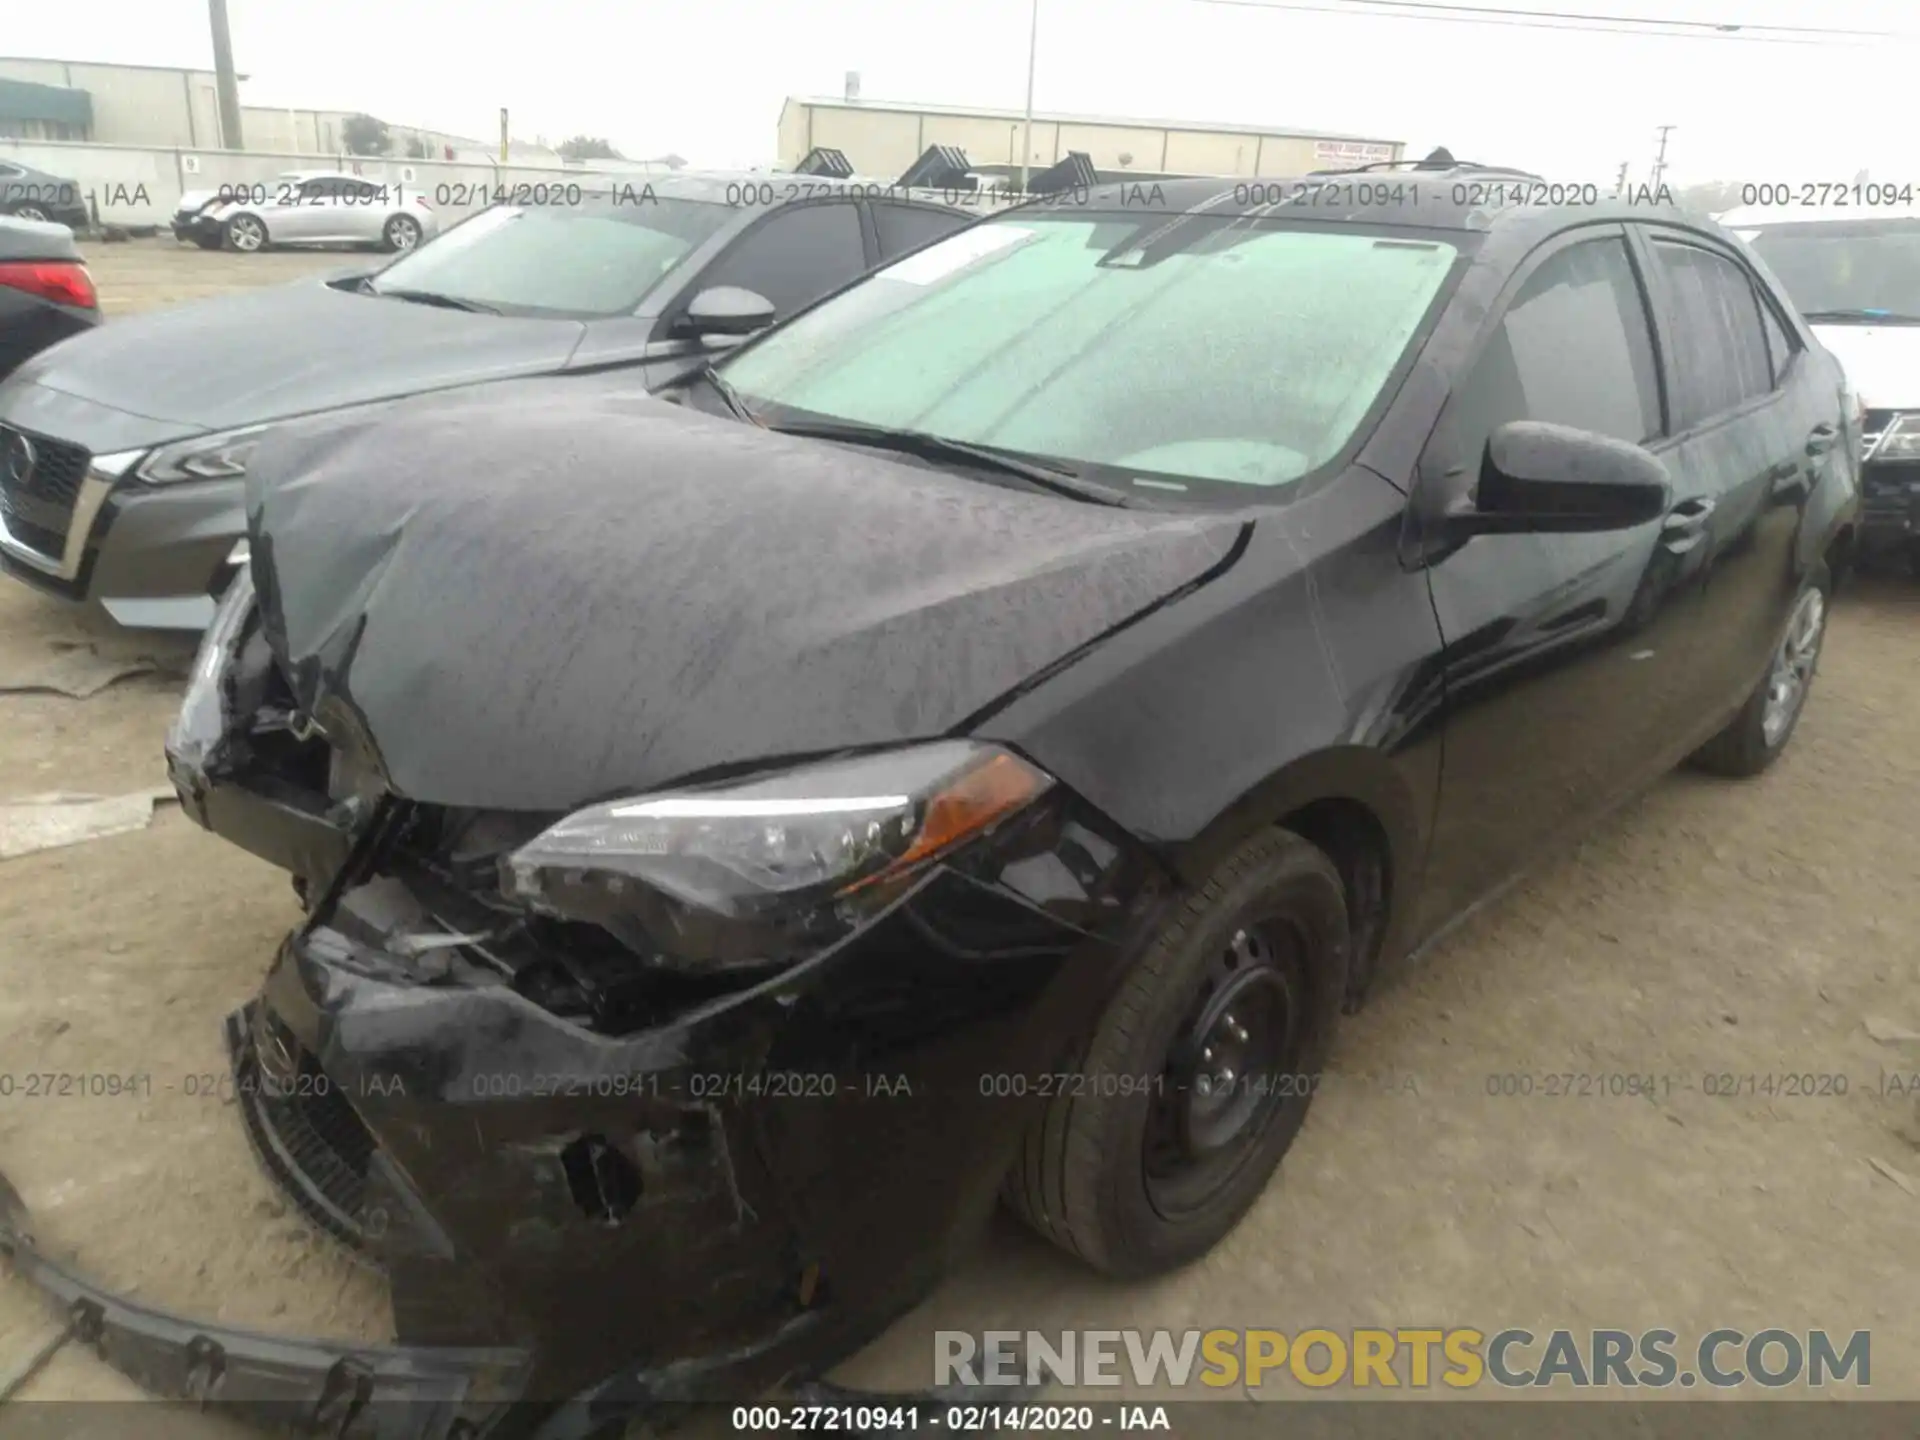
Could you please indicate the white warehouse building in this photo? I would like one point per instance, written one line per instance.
(883, 139)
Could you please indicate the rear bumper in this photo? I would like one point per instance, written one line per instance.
(375, 1392)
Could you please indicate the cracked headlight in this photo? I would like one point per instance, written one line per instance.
(200, 723)
(205, 457)
(769, 869)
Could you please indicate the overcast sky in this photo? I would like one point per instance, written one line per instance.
(705, 78)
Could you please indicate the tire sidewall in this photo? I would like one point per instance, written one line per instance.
(1294, 885)
(228, 231)
(1822, 581)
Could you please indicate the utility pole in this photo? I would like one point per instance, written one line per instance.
(223, 77)
(1660, 160)
(1620, 180)
(1026, 130)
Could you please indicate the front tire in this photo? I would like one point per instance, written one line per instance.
(1199, 1073)
(244, 233)
(30, 211)
(1755, 737)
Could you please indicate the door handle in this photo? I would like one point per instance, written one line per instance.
(1821, 438)
(1685, 525)
(1689, 517)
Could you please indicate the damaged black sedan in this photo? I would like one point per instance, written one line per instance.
(974, 744)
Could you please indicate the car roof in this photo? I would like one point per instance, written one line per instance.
(1468, 199)
(1759, 217)
(745, 189)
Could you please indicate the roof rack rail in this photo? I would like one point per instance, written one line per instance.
(824, 161)
(1439, 159)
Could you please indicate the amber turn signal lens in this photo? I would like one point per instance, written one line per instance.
(968, 804)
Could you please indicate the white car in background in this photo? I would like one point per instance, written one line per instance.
(306, 207)
(1854, 273)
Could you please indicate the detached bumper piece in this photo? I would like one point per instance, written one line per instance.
(318, 1387)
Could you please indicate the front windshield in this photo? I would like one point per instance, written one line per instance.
(1846, 265)
(1224, 360)
(583, 261)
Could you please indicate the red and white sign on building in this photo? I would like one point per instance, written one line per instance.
(1346, 153)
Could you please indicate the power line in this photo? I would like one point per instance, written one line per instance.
(1431, 10)
(1717, 26)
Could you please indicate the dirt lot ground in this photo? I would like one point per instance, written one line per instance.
(1753, 929)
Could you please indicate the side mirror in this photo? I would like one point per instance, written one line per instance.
(726, 310)
(1553, 479)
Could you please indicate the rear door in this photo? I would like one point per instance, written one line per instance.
(1750, 431)
(361, 210)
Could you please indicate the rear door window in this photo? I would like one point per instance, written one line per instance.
(1721, 355)
(1781, 346)
(907, 227)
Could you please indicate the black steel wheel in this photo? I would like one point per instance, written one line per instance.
(1199, 1073)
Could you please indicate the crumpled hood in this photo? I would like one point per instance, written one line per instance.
(288, 350)
(1882, 361)
(537, 595)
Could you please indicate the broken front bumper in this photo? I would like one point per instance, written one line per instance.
(740, 1190)
(723, 1199)
(328, 1387)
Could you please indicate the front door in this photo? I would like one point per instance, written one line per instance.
(1562, 653)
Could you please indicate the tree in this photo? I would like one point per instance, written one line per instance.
(365, 135)
(417, 148)
(588, 147)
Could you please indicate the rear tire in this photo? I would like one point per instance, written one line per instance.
(1755, 737)
(1101, 1172)
(30, 211)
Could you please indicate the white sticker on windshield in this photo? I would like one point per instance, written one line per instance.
(942, 258)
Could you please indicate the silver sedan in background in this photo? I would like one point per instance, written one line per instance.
(306, 207)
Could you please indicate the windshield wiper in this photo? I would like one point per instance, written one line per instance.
(1861, 317)
(729, 396)
(1041, 474)
(445, 302)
